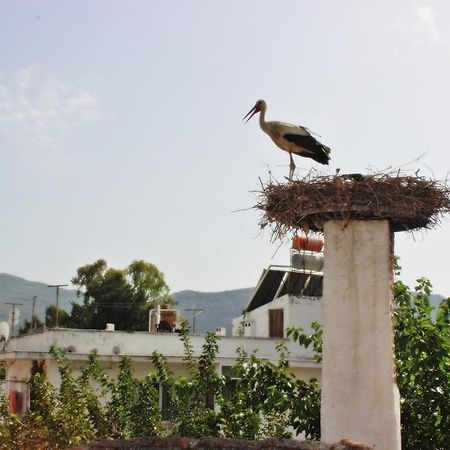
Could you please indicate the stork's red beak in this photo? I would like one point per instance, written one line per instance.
(251, 113)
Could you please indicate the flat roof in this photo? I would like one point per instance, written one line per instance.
(112, 345)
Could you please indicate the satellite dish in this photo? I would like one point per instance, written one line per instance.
(14, 316)
(4, 331)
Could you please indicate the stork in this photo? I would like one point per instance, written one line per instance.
(290, 138)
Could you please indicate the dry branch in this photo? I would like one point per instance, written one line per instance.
(408, 202)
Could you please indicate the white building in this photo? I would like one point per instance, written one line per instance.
(284, 297)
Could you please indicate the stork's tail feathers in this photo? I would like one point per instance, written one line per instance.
(323, 156)
(309, 147)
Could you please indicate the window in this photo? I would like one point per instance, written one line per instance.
(276, 323)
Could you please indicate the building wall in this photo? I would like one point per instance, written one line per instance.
(16, 385)
(111, 346)
(139, 346)
(298, 312)
(302, 311)
(141, 368)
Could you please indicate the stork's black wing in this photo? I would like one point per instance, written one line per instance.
(314, 149)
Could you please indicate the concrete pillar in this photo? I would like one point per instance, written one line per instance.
(360, 399)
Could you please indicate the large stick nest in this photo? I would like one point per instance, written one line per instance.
(408, 202)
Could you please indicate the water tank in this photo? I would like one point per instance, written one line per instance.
(302, 261)
(302, 242)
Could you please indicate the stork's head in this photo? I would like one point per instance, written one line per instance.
(260, 105)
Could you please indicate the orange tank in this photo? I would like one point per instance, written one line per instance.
(313, 244)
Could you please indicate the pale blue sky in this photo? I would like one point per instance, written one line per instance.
(121, 133)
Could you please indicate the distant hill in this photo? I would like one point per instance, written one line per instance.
(19, 290)
(219, 307)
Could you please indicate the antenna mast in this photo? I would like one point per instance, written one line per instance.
(57, 286)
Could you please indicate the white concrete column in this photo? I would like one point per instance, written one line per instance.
(360, 399)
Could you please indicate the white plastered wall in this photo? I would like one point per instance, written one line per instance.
(360, 399)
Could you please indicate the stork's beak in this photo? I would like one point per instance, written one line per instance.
(251, 113)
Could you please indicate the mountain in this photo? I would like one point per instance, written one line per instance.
(219, 308)
(19, 290)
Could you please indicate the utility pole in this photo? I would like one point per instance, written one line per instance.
(57, 286)
(32, 312)
(194, 315)
(13, 315)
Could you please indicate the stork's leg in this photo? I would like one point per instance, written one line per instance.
(291, 167)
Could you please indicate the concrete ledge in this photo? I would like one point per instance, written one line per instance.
(207, 443)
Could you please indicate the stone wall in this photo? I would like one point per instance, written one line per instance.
(156, 443)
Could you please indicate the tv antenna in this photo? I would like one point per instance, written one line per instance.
(195, 312)
(57, 286)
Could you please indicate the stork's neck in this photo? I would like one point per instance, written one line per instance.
(262, 118)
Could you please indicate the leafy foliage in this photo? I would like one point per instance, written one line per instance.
(257, 399)
(260, 398)
(58, 417)
(34, 324)
(422, 348)
(423, 367)
(117, 296)
(192, 395)
(50, 317)
(305, 340)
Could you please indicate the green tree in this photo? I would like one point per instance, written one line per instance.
(58, 415)
(30, 325)
(422, 341)
(50, 317)
(422, 350)
(260, 400)
(192, 394)
(117, 296)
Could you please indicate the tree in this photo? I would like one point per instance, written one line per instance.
(29, 325)
(117, 296)
(422, 349)
(422, 342)
(50, 317)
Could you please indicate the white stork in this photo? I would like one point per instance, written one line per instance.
(290, 138)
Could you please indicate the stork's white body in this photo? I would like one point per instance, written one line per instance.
(277, 130)
(291, 138)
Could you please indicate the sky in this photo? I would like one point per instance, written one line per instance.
(121, 133)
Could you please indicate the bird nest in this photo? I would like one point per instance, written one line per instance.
(408, 202)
